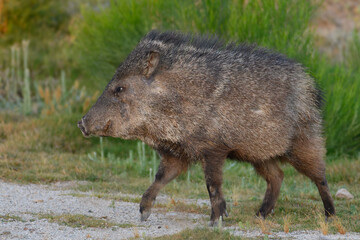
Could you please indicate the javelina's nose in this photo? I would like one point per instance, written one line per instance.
(81, 125)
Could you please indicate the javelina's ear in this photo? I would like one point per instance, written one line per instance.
(151, 63)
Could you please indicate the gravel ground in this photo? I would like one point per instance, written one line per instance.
(28, 201)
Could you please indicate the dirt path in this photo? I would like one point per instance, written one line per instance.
(21, 208)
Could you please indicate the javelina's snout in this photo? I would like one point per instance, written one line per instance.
(81, 125)
(98, 128)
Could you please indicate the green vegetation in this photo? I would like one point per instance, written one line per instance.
(40, 142)
(104, 38)
(45, 23)
(81, 221)
(10, 218)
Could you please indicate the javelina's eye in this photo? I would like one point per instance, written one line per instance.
(119, 90)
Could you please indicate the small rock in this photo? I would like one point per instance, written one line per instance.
(343, 193)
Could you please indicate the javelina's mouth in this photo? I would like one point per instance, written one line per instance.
(107, 126)
(103, 131)
(82, 128)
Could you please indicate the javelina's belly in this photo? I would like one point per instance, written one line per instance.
(257, 134)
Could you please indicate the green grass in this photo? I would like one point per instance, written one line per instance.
(81, 221)
(104, 37)
(10, 218)
(342, 120)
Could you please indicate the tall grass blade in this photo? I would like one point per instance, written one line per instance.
(26, 86)
(12, 73)
(26, 92)
(63, 83)
(102, 150)
(154, 158)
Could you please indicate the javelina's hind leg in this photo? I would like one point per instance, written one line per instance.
(213, 176)
(307, 156)
(169, 169)
(273, 175)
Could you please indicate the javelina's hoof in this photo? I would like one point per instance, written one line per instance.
(145, 215)
(219, 211)
(262, 213)
(329, 219)
(214, 223)
(259, 216)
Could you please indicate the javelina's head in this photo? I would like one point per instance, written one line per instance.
(124, 107)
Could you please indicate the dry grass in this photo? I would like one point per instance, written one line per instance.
(324, 225)
(56, 101)
(136, 233)
(287, 224)
(339, 226)
(235, 195)
(264, 226)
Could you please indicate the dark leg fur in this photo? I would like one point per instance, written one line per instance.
(307, 157)
(213, 176)
(169, 169)
(273, 175)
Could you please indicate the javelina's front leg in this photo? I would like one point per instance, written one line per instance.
(169, 169)
(213, 177)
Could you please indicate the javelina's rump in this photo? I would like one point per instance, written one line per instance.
(195, 98)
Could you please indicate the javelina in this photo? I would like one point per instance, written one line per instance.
(195, 98)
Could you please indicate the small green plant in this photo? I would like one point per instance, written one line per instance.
(48, 99)
(17, 84)
(154, 164)
(26, 86)
(81, 221)
(101, 149)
